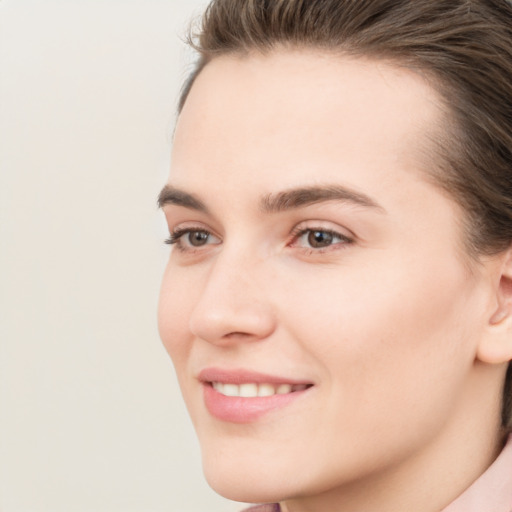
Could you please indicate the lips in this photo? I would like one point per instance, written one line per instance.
(240, 396)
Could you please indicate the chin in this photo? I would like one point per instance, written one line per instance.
(255, 486)
(248, 475)
(265, 472)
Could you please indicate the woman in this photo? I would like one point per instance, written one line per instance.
(338, 299)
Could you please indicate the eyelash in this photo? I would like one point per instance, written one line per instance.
(177, 235)
(299, 232)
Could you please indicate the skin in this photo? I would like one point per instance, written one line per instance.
(401, 335)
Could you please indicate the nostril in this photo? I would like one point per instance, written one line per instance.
(228, 311)
(238, 334)
(229, 322)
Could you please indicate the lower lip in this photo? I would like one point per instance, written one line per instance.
(236, 409)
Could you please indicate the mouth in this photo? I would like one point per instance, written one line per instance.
(254, 389)
(242, 396)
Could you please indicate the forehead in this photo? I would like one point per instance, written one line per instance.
(300, 116)
(287, 96)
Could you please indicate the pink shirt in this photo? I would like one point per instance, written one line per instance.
(492, 492)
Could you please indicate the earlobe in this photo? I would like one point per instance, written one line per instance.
(496, 345)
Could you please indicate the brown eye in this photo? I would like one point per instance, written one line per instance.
(197, 238)
(188, 239)
(318, 239)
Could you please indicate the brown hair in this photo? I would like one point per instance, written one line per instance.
(464, 46)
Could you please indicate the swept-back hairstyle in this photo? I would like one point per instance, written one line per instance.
(464, 47)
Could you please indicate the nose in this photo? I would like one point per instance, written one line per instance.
(233, 305)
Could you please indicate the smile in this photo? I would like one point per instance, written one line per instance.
(253, 389)
(244, 396)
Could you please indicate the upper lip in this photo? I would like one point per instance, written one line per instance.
(243, 376)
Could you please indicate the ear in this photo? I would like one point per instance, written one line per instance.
(496, 344)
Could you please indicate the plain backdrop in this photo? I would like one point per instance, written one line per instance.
(91, 418)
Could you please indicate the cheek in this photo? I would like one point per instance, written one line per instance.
(174, 308)
(388, 336)
(393, 348)
(178, 295)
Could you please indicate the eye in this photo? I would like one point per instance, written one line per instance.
(319, 238)
(190, 239)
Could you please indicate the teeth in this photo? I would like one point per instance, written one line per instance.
(230, 390)
(283, 389)
(250, 390)
(266, 390)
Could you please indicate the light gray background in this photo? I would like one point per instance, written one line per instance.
(91, 416)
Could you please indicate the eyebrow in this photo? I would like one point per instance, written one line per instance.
(172, 195)
(306, 196)
(282, 201)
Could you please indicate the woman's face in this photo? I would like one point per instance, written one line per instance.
(314, 265)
